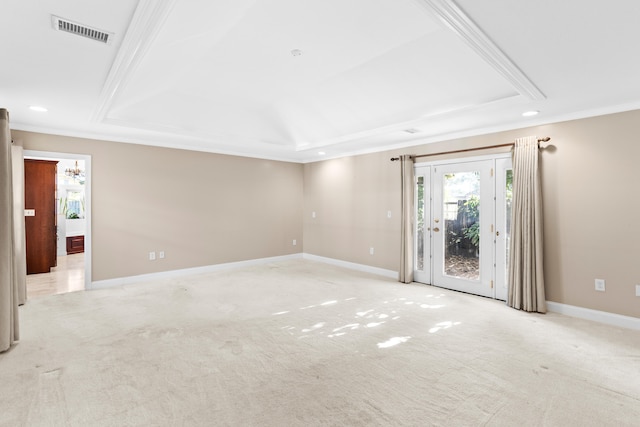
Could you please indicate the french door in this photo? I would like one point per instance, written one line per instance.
(461, 227)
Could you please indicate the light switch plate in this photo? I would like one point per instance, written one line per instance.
(638, 290)
(29, 212)
(600, 285)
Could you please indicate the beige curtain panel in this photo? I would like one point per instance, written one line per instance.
(9, 332)
(526, 275)
(20, 245)
(406, 254)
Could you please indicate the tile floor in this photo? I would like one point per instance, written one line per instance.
(68, 276)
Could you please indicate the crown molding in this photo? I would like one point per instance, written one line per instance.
(457, 21)
(145, 25)
(416, 122)
(155, 140)
(310, 156)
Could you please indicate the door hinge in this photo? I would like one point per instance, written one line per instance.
(492, 284)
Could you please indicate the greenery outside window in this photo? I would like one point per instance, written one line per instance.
(72, 206)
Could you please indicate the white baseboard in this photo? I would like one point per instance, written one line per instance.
(555, 307)
(353, 266)
(109, 283)
(595, 315)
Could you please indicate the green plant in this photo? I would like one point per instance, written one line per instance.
(72, 207)
(472, 209)
(473, 233)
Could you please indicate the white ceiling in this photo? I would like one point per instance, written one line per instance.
(220, 76)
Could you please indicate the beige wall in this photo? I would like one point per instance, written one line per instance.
(351, 197)
(201, 209)
(590, 175)
(205, 209)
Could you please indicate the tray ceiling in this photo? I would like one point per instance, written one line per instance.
(285, 79)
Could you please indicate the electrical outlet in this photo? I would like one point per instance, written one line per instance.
(161, 254)
(370, 251)
(294, 242)
(152, 256)
(600, 285)
(313, 214)
(638, 290)
(388, 214)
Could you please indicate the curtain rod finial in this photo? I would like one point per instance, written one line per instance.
(393, 159)
(545, 139)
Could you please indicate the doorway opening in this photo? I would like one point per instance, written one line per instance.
(462, 210)
(72, 195)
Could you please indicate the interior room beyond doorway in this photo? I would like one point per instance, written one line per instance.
(72, 220)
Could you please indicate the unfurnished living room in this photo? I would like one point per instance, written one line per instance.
(319, 213)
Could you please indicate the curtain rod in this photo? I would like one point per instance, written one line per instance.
(464, 150)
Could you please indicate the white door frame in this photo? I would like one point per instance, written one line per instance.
(483, 285)
(50, 155)
(423, 275)
(501, 162)
(501, 242)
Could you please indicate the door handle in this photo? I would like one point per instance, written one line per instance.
(436, 229)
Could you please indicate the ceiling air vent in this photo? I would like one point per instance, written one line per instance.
(61, 24)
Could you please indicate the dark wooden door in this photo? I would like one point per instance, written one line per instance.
(40, 228)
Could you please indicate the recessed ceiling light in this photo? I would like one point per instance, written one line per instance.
(321, 153)
(530, 113)
(38, 108)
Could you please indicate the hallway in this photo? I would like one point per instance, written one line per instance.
(68, 276)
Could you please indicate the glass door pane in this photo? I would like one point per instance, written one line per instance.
(422, 262)
(504, 192)
(462, 227)
(420, 224)
(460, 219)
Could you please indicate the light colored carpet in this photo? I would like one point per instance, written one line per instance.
(307, 344)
